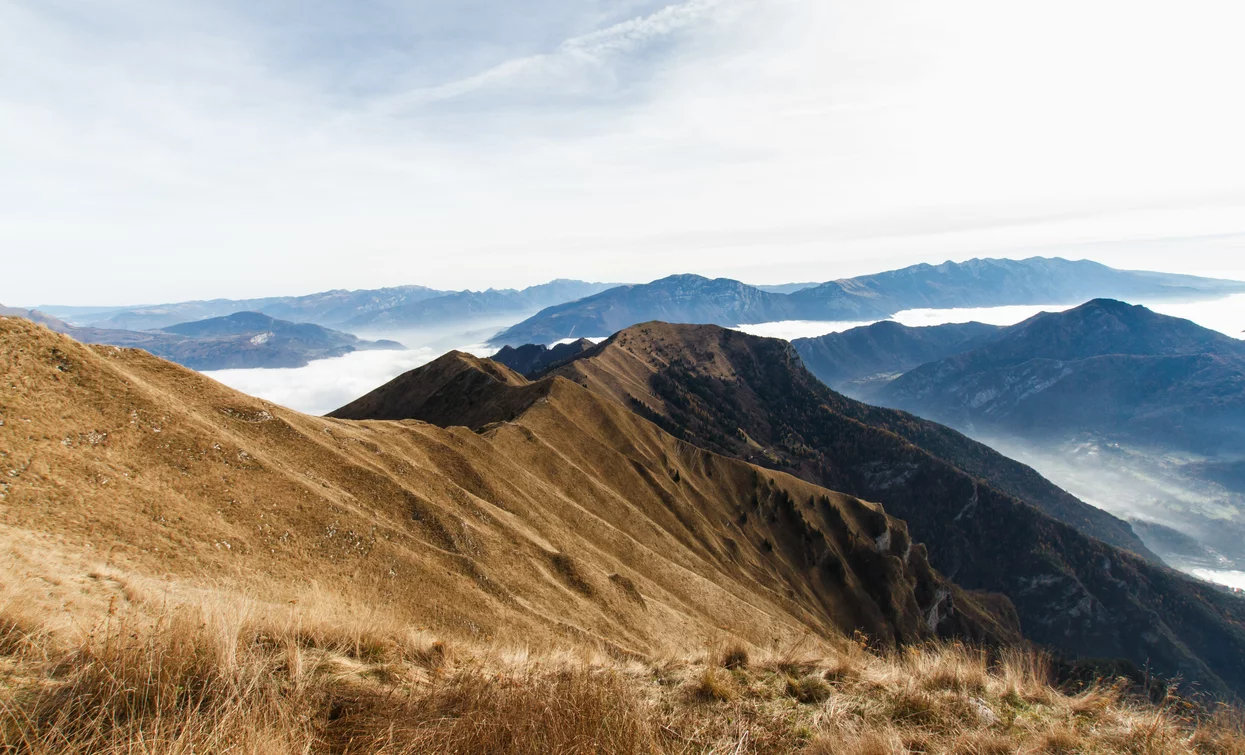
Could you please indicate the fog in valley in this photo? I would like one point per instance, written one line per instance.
(327, 384)
(1190, 511)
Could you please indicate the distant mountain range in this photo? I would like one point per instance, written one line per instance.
(376, 308)
(976, 283)
(990, 523)
(1105, 367)
(1143, 412)
(237, 341)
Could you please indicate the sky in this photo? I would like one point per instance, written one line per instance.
(168, 151)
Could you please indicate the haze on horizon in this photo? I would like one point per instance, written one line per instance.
(162, 152)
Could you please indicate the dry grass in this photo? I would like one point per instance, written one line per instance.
(199, 680)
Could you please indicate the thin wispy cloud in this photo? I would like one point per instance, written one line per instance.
(233, 149)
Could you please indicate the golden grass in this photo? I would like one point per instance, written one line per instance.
(201, 679)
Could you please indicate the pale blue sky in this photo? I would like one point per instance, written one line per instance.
(158, 151)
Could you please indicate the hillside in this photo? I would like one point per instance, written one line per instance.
(854, 359)
(975, 283)
(991, 524)
(576, 519)
(194, 570)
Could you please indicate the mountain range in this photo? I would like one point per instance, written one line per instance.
(573, 518)
(1143, 412)
(243, 340)
(370, 308)
(1106, 367)
(975, 283)
(1080, 580)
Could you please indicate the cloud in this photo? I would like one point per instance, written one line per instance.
(200, 149)
(577, 66)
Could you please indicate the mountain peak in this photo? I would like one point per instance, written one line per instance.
(456, 388)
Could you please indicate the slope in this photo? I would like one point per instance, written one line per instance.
(854, 359)
(989, 521)
(577, 520)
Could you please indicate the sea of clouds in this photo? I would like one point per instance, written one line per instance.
(324, 385)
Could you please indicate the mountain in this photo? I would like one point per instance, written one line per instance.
(464, 305)
(574, 518)
(396, 306)
(461, 390)
(532, 359)
(189, 569)
(999, 282)
(1140, 412)
(239, 341)
(1105, 367)
(991, 524)
(325, 308)
(853, 359)
(678, 298)
(976, 283)
(787, 288)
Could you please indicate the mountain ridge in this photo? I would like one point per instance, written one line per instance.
(395, 306)
(578, 518)
(694, 299)
(751, 398)
(850, 360)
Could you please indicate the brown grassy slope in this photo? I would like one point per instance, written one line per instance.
(119, 464)
(800, 530)
(189, 570)
(752, 398)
